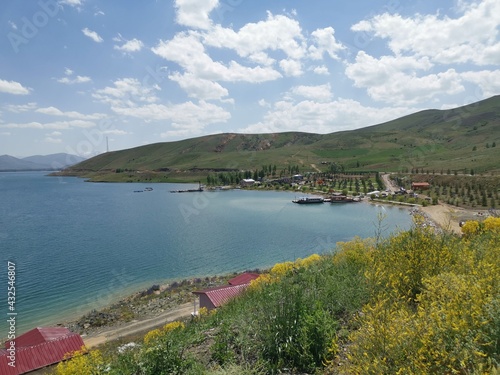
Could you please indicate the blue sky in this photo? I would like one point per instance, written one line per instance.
(75, 73)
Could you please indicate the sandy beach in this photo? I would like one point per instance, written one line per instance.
(446, 217)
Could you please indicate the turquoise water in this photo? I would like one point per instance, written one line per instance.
(80, 245)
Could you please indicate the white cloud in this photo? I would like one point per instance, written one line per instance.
(325, 42)
(12, 25)
(186, 119)
(14, 88)
(21, 107)
(184, 113)
(126, 92)
(199, 88)
(394, 79)
(321, 70)
(487, 80)
(73, 3)
(291, 68)
(321, 93)
(195, 13)
(472, 37)
(52, 111)
(77, 79)
(264, 103)
(57, 125)
(68, 80)
(134, 45)
(324, 117)
(54, 134)
(115, 132)
(92, 35)
(49, 139)
(187, 51)
(276, 33)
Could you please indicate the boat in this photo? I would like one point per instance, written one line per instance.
(200, 188)
(148, 189)
(340, 198)
(308, 200)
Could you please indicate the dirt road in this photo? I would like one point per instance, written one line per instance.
(135, 327)
(389, 184)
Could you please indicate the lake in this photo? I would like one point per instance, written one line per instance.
(79, 245)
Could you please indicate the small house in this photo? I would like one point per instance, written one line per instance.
(420, 185)
(215, 297)
(244, 278)
(247, 182)
(38, 348)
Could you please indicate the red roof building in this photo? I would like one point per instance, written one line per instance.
(244, 278)
(216, 297)
(38, 348)
(420, 185)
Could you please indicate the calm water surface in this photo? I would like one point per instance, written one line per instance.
(80, 245)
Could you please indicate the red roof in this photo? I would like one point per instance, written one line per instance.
(220, 295)
(48, 346)
(244, 278)
(40, 335)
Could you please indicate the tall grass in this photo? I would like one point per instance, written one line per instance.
(417, 303)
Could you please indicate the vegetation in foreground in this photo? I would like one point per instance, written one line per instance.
(418, 302)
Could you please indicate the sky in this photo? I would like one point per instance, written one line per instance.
(86, 76)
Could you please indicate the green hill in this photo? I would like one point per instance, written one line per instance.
(456, 139)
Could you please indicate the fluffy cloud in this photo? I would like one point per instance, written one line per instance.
(14, 88)
(276, 33)
(92, 35)
(199, 88)
(321, 92)
(187, 50)
(21, 107)
(73, 3)
(472, 37)
(134, 45)
(195, 13)
(186, 118)
(127, 92)
(487, 80)
(52, 111)
(322, 117)
(70, 80)
(58, 125)
(291, 68)
(321, 70)
(394, 79)
(53, 137)
(325, 42)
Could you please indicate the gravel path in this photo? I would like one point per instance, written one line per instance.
(138, 326)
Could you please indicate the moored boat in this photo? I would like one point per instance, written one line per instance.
(340, 198)
(308, 200)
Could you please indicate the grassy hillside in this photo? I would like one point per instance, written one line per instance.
(458, 139)
(418, 302)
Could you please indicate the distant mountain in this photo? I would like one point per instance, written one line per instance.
(39, 162)
(55, 161)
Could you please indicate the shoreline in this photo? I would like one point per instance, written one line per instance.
(443, 216)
